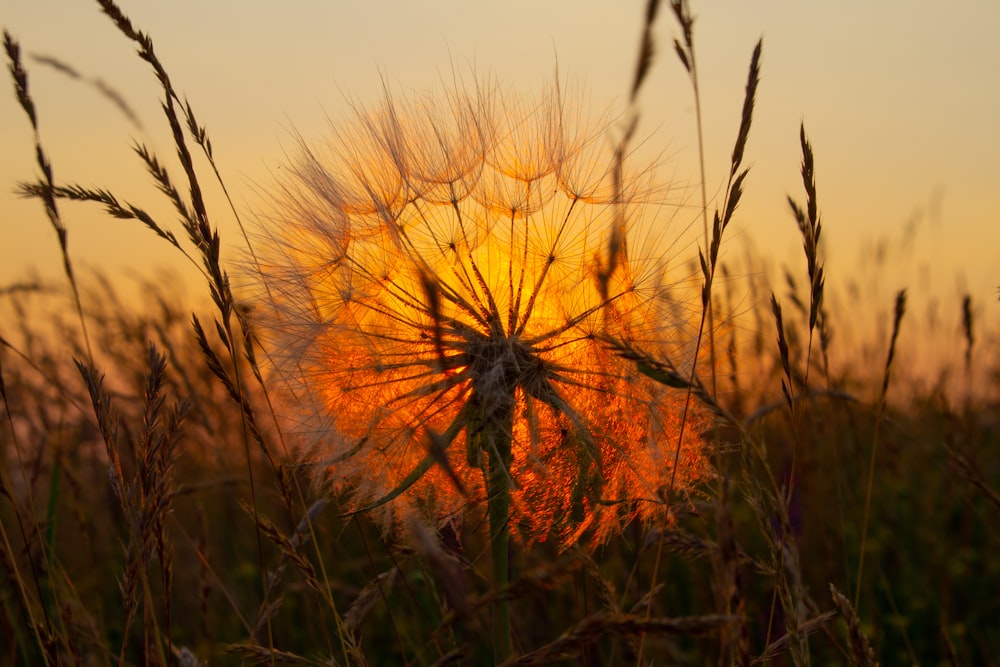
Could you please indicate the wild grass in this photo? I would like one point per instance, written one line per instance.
(154, 512)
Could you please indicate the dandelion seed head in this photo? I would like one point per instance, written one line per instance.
(444, 269)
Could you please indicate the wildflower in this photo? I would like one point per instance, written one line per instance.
(439, 276)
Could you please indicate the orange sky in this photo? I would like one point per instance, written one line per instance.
(899, 100)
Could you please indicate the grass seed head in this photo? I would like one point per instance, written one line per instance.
(438, 277)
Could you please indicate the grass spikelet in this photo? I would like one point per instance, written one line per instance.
(861, 654)
(601, 624)
(373, 591)
(647, 48)
(776, 648)
(256, 654)
(105, 90)
(968, 330)
(446, 567)
(973, 475)
(145, 493)
(47, 190)
(786, 367)
(290, 550)
(811, 229)
(35, 609)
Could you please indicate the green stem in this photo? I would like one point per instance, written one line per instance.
(497, 436)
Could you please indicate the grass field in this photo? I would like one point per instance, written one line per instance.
(452, 408)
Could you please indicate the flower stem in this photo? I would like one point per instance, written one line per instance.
(496, 439)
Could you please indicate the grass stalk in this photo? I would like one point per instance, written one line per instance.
(6, 487)
(899, 311)
(48, 197)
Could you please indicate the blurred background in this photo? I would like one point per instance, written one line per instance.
(898, 100)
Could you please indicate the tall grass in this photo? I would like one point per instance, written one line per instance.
(156, 509)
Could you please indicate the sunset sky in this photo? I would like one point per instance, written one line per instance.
(900, 100)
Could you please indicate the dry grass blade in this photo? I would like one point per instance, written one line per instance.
(145, 491)
(775, 648)
(29, 286)
(734, 640)
(709, 262)
(24, 520)
(973, 474)
(862, 654)
(449, 570)
(692, 547)
(46, 194)
(235, 390)
(685, 50)
(197, 222)
(646, 50)
(606, 594)
(147, 53)
(32, 608)
(375, 590)
(949, 647)
(291, 550)
(811, 229)
(453, 657)
(108, 421)
(899, 310)
(20, 77)
(600, 625)
(753, 79)
(665, 372)
(967, 330)
(193, 212)
(157, 449)
(114, 207)
(262, 655)
(103, 88)
(734, 191)
(786, 367)
(605, 589)
(832, 394)
(185, 657)
(164, 184)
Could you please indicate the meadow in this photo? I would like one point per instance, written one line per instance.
(451, 408)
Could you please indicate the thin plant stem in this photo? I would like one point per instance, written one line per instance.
(497, 439)
(47, 194)
(900, 309)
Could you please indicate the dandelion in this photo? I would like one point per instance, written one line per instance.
(439, 278)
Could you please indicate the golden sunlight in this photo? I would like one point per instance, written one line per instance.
(438, 281)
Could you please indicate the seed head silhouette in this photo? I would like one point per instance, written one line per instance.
(439, 278)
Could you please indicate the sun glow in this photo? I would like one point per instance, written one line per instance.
(440, 278)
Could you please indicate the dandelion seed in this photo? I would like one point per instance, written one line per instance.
(438, 277)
